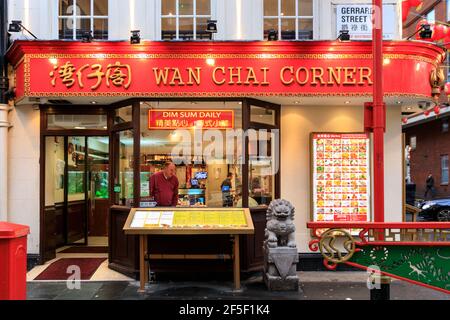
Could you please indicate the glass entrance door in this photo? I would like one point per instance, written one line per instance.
(98, 185)
(76, 197)
(76, 189)
(87, 188)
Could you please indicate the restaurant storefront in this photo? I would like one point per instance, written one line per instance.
(112, 114)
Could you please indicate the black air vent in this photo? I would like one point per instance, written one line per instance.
(59, 102)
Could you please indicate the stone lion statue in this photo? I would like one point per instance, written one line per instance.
(280, 225)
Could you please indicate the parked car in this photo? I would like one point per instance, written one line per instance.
(434, 210)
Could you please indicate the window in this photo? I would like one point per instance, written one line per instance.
(78, 16)
(208, 161)
(77, 121)
(447, 68)
(262, 168)
(448, 10)
(185, 19)
(444, 125)
(123, 181)
(123, 114)
(431, 16)
(444, 169)
(262, 115)
(413, 142)
(292, 19)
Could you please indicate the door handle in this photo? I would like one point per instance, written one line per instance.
(92, 194)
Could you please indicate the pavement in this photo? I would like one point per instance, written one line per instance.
(327, 285)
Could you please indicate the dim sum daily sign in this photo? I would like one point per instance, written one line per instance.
(340, 177)
(184, 119)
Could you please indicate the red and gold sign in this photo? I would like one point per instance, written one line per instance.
(340, 177)
(237, 69)
(184, 119)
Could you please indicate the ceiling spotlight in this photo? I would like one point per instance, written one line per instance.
(86, 36)
(211, 26)
(135, 37)
(344, 36)
(17, 26)
(272, 35)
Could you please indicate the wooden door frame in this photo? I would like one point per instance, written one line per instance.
(46, 110)
(254, 125)
(134, 125)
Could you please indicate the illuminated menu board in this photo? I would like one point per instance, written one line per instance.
(189, 218)
(340, 177)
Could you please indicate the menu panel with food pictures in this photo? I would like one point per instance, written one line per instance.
(341, 177)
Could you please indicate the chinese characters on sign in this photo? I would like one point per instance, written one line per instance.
(182, 119)
(118, 74)
(341, 177)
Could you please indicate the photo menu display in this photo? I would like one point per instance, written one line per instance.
(341, 177)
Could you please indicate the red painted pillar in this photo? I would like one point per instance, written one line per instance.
(379, 113)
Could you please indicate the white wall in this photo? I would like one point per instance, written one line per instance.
(297, 122)
(393, 165)
(23, 172)
(236, 19)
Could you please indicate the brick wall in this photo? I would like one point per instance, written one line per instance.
(431, 144)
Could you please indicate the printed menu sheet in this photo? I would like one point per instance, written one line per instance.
(180, 219)
(341, 177)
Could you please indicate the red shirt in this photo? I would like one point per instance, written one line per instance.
(165, 191)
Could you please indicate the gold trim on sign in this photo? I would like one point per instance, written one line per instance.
(219, 94)
(203, 55)
(316, 56)
(27, 75)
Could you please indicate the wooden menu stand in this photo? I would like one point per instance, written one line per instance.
(144, 231)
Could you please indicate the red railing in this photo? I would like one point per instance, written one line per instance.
(388, 233)
(339, 241)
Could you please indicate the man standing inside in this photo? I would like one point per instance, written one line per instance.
(227, 200)
(164, 186)
(429, 186)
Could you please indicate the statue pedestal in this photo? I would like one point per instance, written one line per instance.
(280, 268)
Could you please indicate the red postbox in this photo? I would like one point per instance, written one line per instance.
(13, 261)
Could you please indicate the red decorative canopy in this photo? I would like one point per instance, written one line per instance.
(218, 69)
